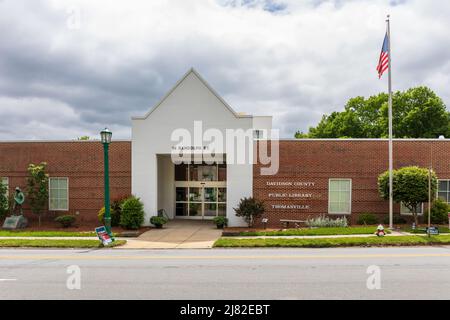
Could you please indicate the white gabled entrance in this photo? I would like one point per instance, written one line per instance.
(189, 102)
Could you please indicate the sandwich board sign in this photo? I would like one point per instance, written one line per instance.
(103, 236)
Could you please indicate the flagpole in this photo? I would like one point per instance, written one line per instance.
(391, 152)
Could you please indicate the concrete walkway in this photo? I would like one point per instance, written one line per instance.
(187, 234)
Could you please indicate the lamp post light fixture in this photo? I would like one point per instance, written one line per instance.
(106, 140)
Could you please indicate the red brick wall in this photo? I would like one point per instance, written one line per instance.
(300, 161)
(362, 161)
(80, 161)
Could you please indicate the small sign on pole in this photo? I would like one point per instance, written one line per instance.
(103, 236)
(433, 231)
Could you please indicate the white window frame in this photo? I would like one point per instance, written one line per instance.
(259, 134)
(403, 213)
(448, 190)
(350, 200)
(7, 188)
(49, 194)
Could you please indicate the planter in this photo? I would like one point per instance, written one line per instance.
(220, 226)
(158, 226)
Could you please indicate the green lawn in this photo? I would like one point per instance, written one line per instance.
(46, 243)
(8, 233)
(314, 232)
(333, 242)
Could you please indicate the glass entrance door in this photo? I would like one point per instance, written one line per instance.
(204, 201)
(200, 190)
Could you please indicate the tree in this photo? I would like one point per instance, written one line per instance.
(84, 138)
(410, 187)
(37, 188)
(417, 113)
(249, 209)
(4, 199)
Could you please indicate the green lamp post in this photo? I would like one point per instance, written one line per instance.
(106, 140)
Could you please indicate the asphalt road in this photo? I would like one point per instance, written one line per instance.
(404, 273)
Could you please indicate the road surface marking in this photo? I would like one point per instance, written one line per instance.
(235, 257)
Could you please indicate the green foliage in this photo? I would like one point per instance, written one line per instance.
(4, 199)
(311, 232)
(220, 221)
(37, 188)
(325, 222)
(45, 234)
(84, 138)
(367, 219)
(116, 212)
(414, 240)
(417, 113)
(158, 221)
(439, 212)
(397, 219)
(66, 221)
(53, 243)
(132, 213)
(410, 186)
(249, 209)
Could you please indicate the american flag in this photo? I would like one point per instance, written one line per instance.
(383, 64)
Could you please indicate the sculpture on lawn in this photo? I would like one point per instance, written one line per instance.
(19, 199)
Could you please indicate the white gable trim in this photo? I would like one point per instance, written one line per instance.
(192, 70)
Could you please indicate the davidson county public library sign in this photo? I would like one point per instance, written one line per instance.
(305, 194)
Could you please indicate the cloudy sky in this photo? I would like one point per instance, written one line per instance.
(70, 68)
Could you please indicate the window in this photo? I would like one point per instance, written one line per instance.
(59, 194)
(5, 181)
(444, 190)
(339, 196)
(201, 172)
(405, 211)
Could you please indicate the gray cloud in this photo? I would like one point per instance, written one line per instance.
(69, 68)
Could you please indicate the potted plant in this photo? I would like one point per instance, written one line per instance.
(158, 222)
(220, 222)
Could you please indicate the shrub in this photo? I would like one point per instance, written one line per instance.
(37, 188)
(325, 222)
(220, 222)
(66, 221)
(397, 220)
(158, 221)
(132, 213)
(367, 219)
(116, 212)
(249, 209)
(439, 212)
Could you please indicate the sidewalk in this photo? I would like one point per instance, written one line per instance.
(177, 234)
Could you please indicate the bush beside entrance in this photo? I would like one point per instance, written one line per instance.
(132, 213)
(116, 212)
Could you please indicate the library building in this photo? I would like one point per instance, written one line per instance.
(193, 156)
